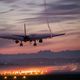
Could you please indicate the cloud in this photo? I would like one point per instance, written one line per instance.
(3, 12)
(45, 57)
(31, 4)
(70, 1)
(5, 29)
(56, 11)
(60, 10)
(34, 20)
(8, 1)
(4, 43)
(41, 19)
(74, 33)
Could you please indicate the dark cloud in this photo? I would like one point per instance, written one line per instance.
(45, 57)
(42, 19)
(8, 1)
(67, 7)
(57, 11)
(15, 6)
(36, 20)
(72, 1)
(6, 29)
(7, 11)
(25, 10)
(34, 5)
(31, 4)
(63, 7)
(31, 21)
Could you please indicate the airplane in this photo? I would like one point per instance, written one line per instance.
(31, 37)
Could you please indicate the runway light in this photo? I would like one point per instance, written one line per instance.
(24, 77)
(15, 77)
(5, 77)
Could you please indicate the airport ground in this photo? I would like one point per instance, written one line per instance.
(52, 76)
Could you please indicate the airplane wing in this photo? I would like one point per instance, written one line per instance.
(11, 37)
(43, 36)
(31, 36)
(40, 36)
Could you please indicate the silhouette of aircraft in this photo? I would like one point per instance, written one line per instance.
(30, 37)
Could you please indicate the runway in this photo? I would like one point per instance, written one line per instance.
(52, 76)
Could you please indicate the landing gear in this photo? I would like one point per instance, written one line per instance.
(40, 41)
(21, 44)
(35, 44)
(16, 41)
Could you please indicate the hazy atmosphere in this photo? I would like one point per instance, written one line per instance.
(61, 53)
(63, 16)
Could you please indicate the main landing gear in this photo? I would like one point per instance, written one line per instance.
(35, 44)
(16, 41)
(21, 44)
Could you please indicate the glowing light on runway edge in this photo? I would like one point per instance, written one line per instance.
(34, 72)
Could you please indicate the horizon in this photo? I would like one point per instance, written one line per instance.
(42, 51)
(66, 61)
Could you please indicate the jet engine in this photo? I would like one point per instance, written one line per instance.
(17, 41)
(40, 41)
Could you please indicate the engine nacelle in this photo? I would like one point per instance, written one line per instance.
(40, 41)
(17, 41)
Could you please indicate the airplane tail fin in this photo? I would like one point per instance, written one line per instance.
(25, 29)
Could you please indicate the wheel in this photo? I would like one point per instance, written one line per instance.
(40, 41)
(16, 41)
(35, 44)
(21, 44)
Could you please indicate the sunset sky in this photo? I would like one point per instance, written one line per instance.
(63, 16)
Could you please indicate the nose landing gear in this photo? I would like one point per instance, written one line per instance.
(35, 44)
(21, 44)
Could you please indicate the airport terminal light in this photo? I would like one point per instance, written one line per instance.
(5, 77)
(24, 77)
(15, 77)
